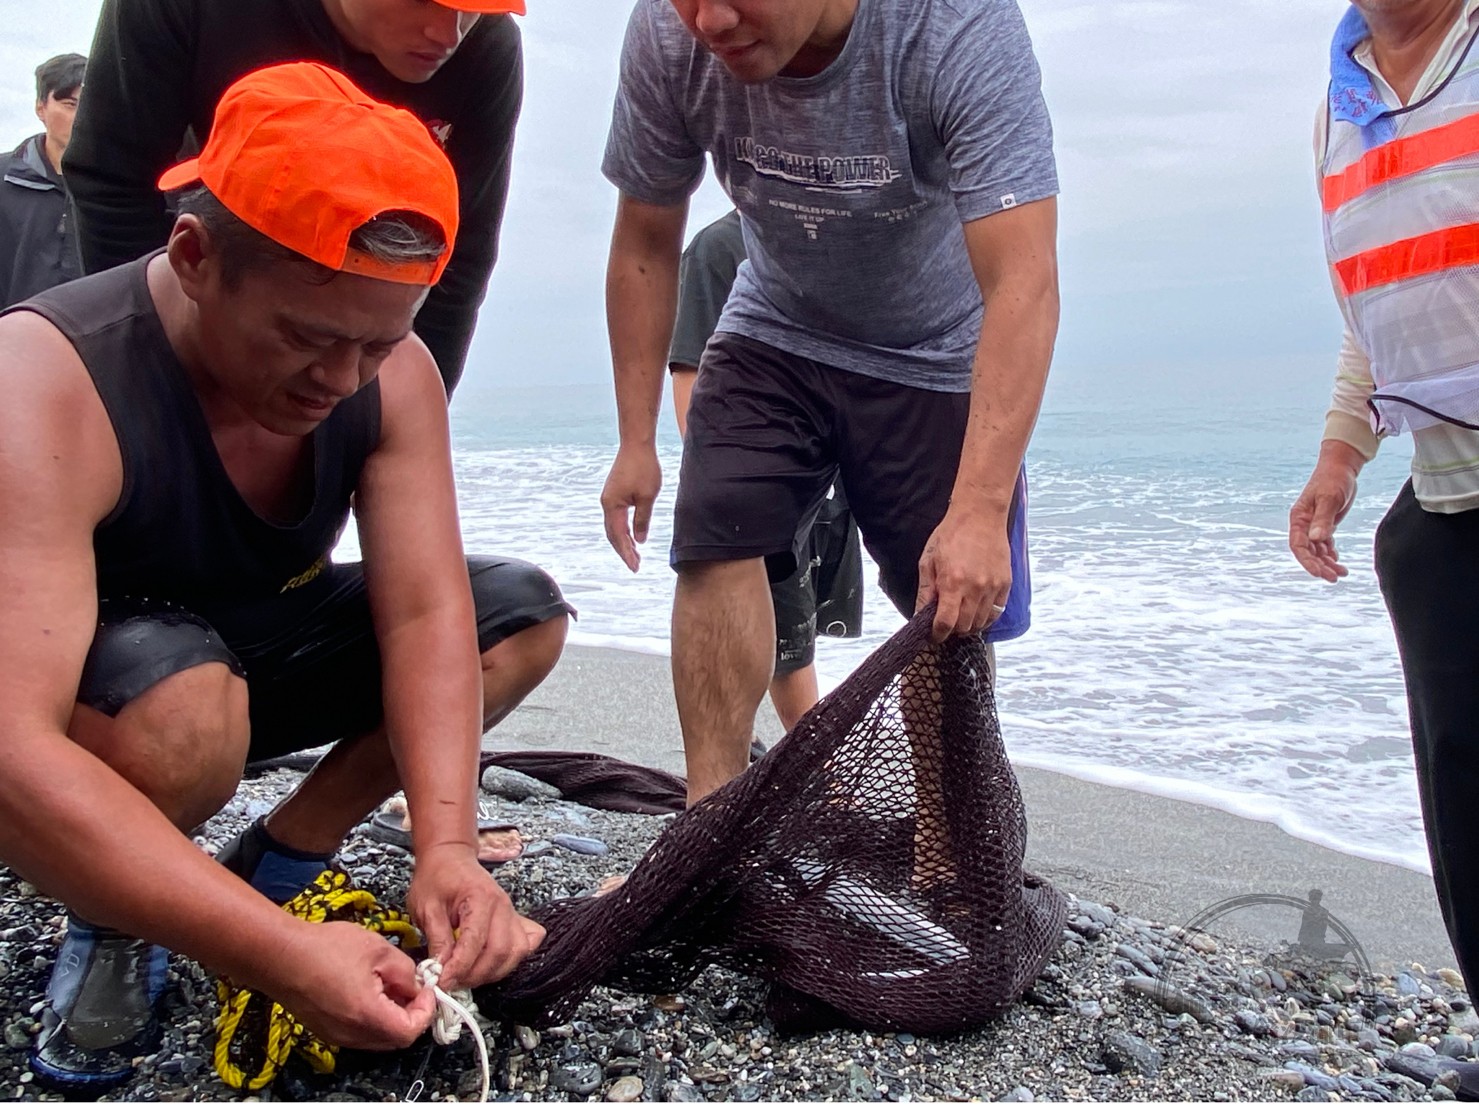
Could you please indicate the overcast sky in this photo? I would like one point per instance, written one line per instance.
(1190, 238)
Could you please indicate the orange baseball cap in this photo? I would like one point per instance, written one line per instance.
(487, 7)
(299, 153)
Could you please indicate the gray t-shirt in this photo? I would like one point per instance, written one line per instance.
(704, 280)
(852, 184)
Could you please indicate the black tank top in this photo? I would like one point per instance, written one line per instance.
(180, 531)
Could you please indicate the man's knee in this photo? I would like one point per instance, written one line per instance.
(512, 596)
(534, 650)
(182, 742)
(725, 574)
(523, 620)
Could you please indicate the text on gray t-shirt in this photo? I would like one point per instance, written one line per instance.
(852, 184)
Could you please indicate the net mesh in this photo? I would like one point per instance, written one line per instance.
(869, 868)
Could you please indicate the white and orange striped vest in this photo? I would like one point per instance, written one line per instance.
(1402, 239)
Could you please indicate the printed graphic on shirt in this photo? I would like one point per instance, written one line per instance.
(441, 131)
(845, 172)
(306, 576)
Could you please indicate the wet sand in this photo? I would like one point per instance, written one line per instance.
(1158, 858)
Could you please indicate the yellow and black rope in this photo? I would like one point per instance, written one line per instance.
(254, 1034)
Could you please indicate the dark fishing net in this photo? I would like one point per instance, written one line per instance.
(869, 868)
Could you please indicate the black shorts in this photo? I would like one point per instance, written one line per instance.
(768, 434)
(318, 681)
(824, 595)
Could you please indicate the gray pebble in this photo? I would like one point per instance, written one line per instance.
(1454, 1047)
(1411, 1066)
(1170, 999)
(1313, 1077)
(1313, 1093)
(581, 845)
(1450, 1079)
(514, 786)
(470, 1084)
(1139, 959)
(1086, 927)
(859, 1086)
(574, 815)
(1299, 1049)
(580, 1079)
(1419, 1050)
(1289, 1080)
(1021, 1093)
(1098, 913)
(1253, 1022)
(627, 1042)
(1124, 1052)
(681, 1091)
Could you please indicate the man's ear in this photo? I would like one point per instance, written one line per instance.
(193, 257)
(41, 110)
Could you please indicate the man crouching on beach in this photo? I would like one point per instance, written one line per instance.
(180, 443)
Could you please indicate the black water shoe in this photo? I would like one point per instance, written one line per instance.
(101, 1010)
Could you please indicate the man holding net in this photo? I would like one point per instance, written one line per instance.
(893, 169)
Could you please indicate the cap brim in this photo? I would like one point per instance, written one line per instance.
(486, 7)
(177, 177)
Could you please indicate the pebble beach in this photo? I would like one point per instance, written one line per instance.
(1129, 1009)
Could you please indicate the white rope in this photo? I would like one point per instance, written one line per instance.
(454, 1011)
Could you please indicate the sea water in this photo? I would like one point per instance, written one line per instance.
(1176, 647)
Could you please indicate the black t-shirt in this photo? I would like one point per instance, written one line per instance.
(159, 67)
(704, 280)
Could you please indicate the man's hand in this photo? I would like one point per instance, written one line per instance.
(967, 566)
(353, 988)
(632, 486)
(1321, 507)
(470, 925)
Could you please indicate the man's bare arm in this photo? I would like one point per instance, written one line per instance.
(426, 628)
(641, 301)
(421, 601)
(967, 563)
(68, 822)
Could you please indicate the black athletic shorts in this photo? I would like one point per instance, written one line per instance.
(316, 682)
(770, 432)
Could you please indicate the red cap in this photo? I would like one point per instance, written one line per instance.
(487, 7)
(299, 153)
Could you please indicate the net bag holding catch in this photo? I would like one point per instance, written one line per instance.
(869, 868)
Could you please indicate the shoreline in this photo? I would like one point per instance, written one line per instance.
(1259, 808)
(1160, 857)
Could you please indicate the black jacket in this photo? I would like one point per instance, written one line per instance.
(37, 248)
(158, 67)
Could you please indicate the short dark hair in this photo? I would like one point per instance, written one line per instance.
(391, 237)
(60, 77)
